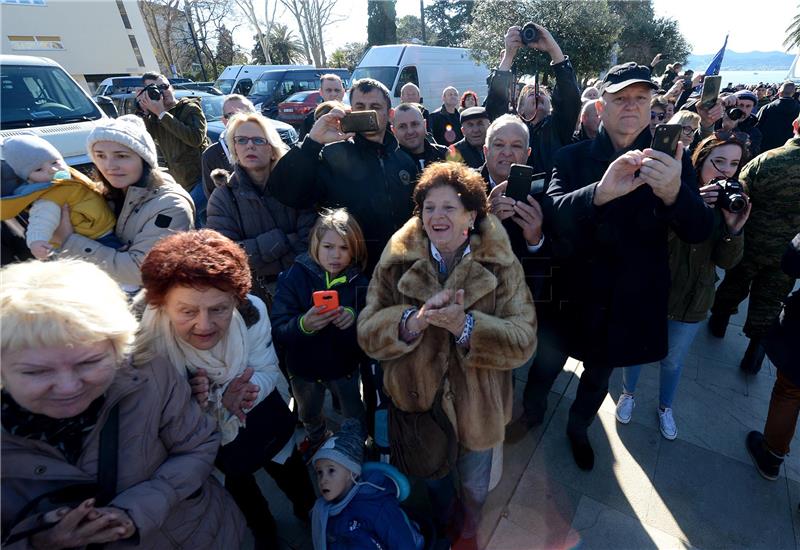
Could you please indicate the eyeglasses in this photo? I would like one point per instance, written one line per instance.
(244, 140)
(688, 130)
(162, 87)
(659, 116)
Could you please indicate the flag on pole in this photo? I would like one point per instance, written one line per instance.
(716, 63)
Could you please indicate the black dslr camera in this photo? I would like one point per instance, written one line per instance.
(731, 196)
(734, 113)
(152, 92)
(529, 34)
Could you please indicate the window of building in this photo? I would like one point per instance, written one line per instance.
(35, 43)
(124, 13)
(136, 50)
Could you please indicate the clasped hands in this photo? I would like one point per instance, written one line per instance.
(239, 397)
(445, 309)
(634, 168)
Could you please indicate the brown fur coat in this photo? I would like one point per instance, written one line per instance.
(480, 393)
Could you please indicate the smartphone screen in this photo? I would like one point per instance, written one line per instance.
(711, 87)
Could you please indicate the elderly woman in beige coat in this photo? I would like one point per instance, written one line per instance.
(95, 451)
(449, 316)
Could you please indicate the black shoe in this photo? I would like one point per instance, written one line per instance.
(767, 463)
(718, 324)
(753, 357)
(581, 450)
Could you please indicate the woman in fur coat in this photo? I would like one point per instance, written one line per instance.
(449, 316)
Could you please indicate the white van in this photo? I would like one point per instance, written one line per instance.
(238, 79)
(39, 96)
(432, 68)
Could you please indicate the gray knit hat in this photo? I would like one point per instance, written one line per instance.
(127, 130)
(346, 447)
(27, 152)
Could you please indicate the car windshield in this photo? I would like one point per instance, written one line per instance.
(265, 87)
(384, 75)
(299, 97)
(212, 107)
(40, 96)
(225, 85)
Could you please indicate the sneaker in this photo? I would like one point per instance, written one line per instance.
(667, 424)
(625, 407)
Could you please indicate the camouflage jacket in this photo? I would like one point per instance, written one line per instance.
(773, 180)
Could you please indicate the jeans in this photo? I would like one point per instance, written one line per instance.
(784, 406)
(474, 470)
(200, 202)
(310, 397)
(680, 338)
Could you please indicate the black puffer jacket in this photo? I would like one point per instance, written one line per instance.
(374, 181)
(330, 353)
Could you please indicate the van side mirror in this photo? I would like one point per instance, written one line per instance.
(107, 105)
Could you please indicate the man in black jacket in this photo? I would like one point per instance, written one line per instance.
(474, 123)
(775, 119)
(408, 128)
(331, 88)
(366, 173)
(613, 202)
(549, 131)
(445, 122)
(744, 100)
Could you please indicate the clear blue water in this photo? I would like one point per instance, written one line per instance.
(750, 77)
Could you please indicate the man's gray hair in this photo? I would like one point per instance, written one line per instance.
(248, 105)
(409, 85)
(502, 122)
(330, 76)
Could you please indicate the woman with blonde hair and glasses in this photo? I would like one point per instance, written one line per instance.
(243, 209)
(690, 122)
(94, 450)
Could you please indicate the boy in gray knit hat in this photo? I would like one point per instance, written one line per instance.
(355, 510)
(43, 185)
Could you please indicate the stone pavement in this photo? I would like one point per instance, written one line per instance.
(698, 491)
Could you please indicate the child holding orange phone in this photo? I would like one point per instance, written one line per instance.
(313, 319)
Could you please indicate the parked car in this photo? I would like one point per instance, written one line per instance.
(239, 79)
(199, 86)
(296, 107)
(432, 68)
(273, 87)
(212, 109)
(127, 84)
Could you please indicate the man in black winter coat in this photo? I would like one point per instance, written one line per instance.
(366, 173)
(408, 128)
(775, 119)
(474, 123)
(613, 202)
(550, 129)
(445, 122)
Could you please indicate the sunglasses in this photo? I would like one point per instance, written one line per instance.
(162, 87)
(243, 140)
(726, 135)
(659, 116)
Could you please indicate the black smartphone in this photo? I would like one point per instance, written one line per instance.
(711, 87)
(360, 121)
(666, 138)
(520, 179)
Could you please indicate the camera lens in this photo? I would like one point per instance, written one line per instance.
(736, 203)
(153, 93)
(528, 33)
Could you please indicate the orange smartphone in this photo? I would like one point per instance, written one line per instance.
(327, 298)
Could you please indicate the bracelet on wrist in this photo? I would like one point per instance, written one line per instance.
(404, 322)
(469, 324)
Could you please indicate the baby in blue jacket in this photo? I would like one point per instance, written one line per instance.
(355, 511)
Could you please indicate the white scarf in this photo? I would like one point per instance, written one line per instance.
(239, 348)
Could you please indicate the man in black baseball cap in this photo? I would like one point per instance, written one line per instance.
(614, 199)
(474, 123)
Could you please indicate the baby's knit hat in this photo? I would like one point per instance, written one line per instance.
(127, 130)
(25, 153)
(345, 447)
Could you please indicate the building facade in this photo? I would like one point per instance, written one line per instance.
(91, 39)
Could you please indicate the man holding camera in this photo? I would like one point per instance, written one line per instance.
(366, 172)
(738, 116)
(614, 201)
(549, 131)
(179, 129)
(773, 182)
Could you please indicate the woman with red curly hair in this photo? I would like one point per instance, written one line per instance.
(200, 316)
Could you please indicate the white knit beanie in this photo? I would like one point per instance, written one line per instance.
(127, 130)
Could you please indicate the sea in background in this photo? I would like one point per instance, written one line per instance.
(750, 77)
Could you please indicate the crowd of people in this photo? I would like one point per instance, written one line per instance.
(144, 345)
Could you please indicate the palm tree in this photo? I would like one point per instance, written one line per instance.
(284, 47)
(793, 32)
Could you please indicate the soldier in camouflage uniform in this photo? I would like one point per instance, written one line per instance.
(773, 180)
